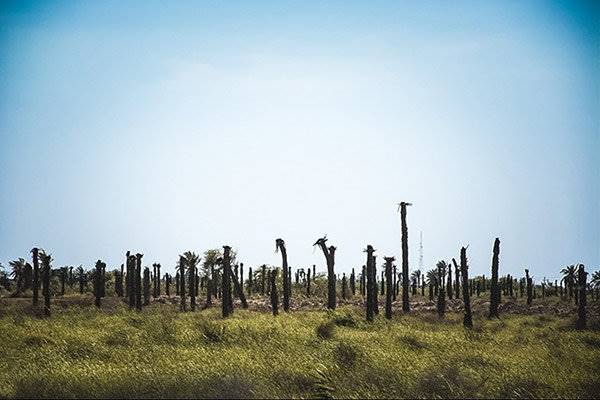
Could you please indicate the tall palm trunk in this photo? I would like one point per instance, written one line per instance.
(280, 246)
(371, 288)
(495, 290)
(330, 259)
(405, 301)
(46, 282)
(36, 275)
(97, 280)
(182, 305)
(138, 281)
(192, 285)
(529, 287)
(273, 290)
(146, 286)
(581, 311)
(464, 271)
(227, 301)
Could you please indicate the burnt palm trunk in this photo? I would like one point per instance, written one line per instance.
(494, 289)
(449, 282)
(182, 305)
(192, 285)
(46, 283)
(138, 281)
(581, 311)
(464, 271)
(177, 283)
(375, 292)
(395, 283)
(262, 279)
(330, 259)
(146, 286)
(371, 288)
(280, 246)
(168, 285)
(227, 301)
(97, 280)
(529, 287)
(344, 286)
(238, 289)
(457, 272)
(441, 304)
(250, 281)
(353, 283)
(389, 286)
(308, 284)
(273, 290)
(36, 275)
(405, 302)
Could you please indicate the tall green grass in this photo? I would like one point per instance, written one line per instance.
(82, 352)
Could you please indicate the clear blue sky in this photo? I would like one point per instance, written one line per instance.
(162, 127)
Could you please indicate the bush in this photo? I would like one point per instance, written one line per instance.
(346, 355)
(325, 330)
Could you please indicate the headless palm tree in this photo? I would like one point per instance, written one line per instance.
(46, 271)
(36, 275)
(405, 303)
(329, 254)
(280, 246)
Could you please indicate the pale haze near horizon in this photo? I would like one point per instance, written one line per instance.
(164, 127)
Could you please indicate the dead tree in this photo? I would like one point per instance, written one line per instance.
(464, 271)
(389, 286)
(329, 254)
(280, 246)
(405, 302)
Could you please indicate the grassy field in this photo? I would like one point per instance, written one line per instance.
(81, 352)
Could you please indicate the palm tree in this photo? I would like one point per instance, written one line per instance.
(569, 277)
(46, 260)
(432, 282)
(191, 260)
(416, 276)
(18, 274)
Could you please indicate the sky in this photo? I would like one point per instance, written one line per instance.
(161, 127)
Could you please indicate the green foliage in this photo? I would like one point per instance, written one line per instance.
(159, 352)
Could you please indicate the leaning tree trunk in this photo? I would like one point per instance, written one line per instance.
(464, 272)
(280, 246)
(36, 275)
(273, 290)
(495, 290)
(405, 301)
(581, 311)
(371, 288)
(389, 286)
(238, 289)
(227, 301)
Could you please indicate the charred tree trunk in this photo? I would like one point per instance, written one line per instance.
(375, 292)
(581, 311)
(273, 290)
(97, 280)
(146, 286)
(227, 301)
(280, 246)
(353, 283)
(182, 303)
(464, 271)
(330, 259)
(441, 304)
(262, 279)
(46, 282)
(449, 282)
(389, 289)
(308, 284)
(495, 290)
(529, 287)
(344, 286)
(36, 275)
(371, 288)
(405, 301)
(138, 281)
(192, 285)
